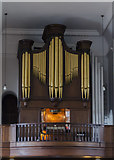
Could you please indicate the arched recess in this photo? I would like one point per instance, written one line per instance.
(9, 108)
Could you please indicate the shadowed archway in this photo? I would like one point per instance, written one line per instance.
(9, 108)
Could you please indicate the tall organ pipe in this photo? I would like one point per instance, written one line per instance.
(26, 74)
(88, 73)
(99, 98)
(29, 75)
(23, 75)
(50, 55)
(96, 91)
(52, 69)
(102, 96)
(82, 79)
(85, 74)
(60, 69)
(56, 66)
(93, 92)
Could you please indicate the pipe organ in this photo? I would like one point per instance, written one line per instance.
(55, 64)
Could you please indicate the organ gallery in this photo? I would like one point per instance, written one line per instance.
(55, 73)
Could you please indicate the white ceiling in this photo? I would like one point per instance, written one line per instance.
(75, 15)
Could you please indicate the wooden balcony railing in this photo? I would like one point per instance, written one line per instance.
(58, 132)
(56, 139)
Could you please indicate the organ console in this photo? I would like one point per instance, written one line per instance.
(55, 64)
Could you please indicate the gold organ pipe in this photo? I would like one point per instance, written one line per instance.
(76, 65)
(71, 63)
(60, 69)
(66, 66)
(85, 74)
(36, 65)
(52, 69)
(43, 56)
(69, 67)
(82, 72)
(33, 65)
(39, 64)
(23, 75)
(28, 75)
(44, 66)
(56, 66)
(88, 76)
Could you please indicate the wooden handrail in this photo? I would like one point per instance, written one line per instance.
(58, 132)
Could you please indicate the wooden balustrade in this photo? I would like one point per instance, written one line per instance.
(58, 132)
(56, 139)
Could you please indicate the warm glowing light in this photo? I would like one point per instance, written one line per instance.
(55, 115)
(87, 156)
(96, 157)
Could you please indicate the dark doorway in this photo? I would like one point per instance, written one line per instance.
(9, 108)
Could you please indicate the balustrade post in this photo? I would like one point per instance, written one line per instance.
(12, 133)
(22, 133)
(35, 132)
(25, 132)
(28, 132)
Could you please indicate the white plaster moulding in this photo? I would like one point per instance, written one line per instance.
(68, 32)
